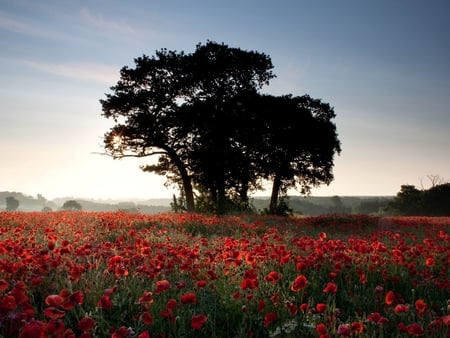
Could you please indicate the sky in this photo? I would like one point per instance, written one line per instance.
(384, 65)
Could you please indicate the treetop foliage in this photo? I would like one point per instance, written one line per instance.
(214, 134)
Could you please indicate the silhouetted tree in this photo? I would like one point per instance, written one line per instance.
(413, 202)
(297, 144)
(12, 203)
(409, 201)
(436, 200)
(72, 205)
(148, 103)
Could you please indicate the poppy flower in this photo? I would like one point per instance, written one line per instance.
(269, 318)
(198, 321)
(421, 306)
(415, 329)
(401, 308)
(7, 303)
(249, 284)
(147, 318)
(54, 300)
(189, 297)
(162, 285)
(330, 288)
(321, 329)
(144, 334)
(321, 307)
(299, 283)
(86, 324)
(377, 318)
(389, 299)
(105, 303)
(35, 329)
(147, 297)
(344, 330)
(272, 277)
(54, 313)
(357, 327)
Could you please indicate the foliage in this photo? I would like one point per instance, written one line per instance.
(213, 133)
(12, 203)
(72, 205)
(434, 201)
(79, 274)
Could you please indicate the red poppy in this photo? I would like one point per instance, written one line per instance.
(421, 306)
(377, 318)
(357, 327)
(299, 283)
(330, 288)
(35, 329)
(147, 297)
(401, 308)
(54, 300)
(269, 318)
(3, 285)
(54, 313)
(198, 321)
(415, 329)
(171, 304)
(272, 277)
(321, 307)
(7, 303)
(249, 284)
(144, 334)
(344, 330)
(321, 329)
(55, 328)
(389, 299)
(105, 303)
(147, 318)
(162, 285)
(86, 324)
(189, 298)
(201, 283)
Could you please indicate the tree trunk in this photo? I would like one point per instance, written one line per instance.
(275, 192)
(187, 183)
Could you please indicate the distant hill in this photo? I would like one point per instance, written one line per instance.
(310, 205)
(319, 205)
(30, 203)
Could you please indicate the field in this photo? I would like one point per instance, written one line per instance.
(81, 274)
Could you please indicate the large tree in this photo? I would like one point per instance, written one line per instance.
(296, 143)
(213, 132)
(148, 102)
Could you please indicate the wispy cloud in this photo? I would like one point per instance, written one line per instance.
(20, 26)
(90, 72)
(107, 25)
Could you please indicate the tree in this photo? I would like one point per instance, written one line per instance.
(437, 200)
(213, 132)
(72, 205)
(297, 144)
(148, 102)
(411, 201)
(12, 203)
(408, 201)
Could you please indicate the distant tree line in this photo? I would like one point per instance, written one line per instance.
(411, 201)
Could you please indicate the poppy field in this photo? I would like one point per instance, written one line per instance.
(86, 274)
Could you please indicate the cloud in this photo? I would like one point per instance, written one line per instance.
(90, 72)
(107, 25)
(34, 30)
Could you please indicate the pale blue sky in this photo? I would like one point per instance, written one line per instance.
(384, 65)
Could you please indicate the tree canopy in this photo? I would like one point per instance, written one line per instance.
(411, 201)
(215, 135)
